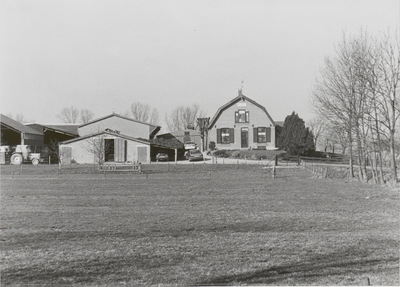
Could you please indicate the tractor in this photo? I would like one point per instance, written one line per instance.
(23, 153)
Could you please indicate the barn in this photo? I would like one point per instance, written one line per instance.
(105, 146)
(14, 133)
(112, 138)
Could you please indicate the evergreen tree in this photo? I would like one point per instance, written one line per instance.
(295, 137)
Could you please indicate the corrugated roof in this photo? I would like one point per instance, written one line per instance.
(17, 126)
(70, 129)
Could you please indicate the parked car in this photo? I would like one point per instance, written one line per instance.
(162, 156)
(190, 145)
(194, 154)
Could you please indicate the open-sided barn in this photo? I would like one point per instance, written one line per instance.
(15, 133)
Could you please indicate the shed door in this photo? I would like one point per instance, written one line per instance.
(119, 150)
(142, 154)
(66, 154)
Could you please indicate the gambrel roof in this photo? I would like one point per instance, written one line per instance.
(240, 97)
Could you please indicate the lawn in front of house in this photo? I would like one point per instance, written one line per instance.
(196, 224)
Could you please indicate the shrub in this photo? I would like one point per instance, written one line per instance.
(236, 154)
(221, 153)
(211, 145)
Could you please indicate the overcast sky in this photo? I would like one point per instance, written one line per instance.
(102, 55)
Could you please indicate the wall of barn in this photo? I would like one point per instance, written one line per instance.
(81, 150)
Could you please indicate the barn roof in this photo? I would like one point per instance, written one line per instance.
(234, 101)
(168, 141)
(68, 129)
(144, 141)
(9, 123)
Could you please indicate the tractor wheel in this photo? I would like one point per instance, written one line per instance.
(16, 159)
(35, 161)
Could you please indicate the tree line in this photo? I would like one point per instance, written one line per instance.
(356, 99)
(182, 117)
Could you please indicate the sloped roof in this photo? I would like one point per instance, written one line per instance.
(17, 126)
(168, 141)
(153, 129)
(234, 101)
(68, 129)
(109, 133)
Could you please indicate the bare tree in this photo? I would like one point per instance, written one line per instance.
(202, 125)
(388, 79)
(86, 116)
(97, 146)
(334, 93)
(144, 113)
(184, 117)
(317, 127)
(18, 117)
(69, 115)
(358, 94)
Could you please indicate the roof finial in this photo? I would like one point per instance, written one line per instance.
(240, 91)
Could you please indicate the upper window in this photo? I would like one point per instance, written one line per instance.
(242, 116)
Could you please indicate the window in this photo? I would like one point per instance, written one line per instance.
(262, 135)
(225, 136)
(242, 116)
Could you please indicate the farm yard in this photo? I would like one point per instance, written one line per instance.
(198, 224)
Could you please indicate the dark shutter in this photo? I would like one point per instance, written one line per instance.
(219, 137)
(268, 135)
(255, 135)
(231, 135)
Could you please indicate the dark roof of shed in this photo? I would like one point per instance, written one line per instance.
(168, 141)
(232, 102)
(17, 126)
(69, 129)
(144, 141)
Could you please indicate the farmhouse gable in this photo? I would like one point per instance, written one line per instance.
(242, 123)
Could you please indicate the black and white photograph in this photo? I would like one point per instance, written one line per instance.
(199, 143)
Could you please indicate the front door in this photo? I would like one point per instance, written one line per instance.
(245, 137)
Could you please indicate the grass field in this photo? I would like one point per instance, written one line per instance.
(195, 224)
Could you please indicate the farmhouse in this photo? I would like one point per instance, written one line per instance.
(113, 138)
(242, 124)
